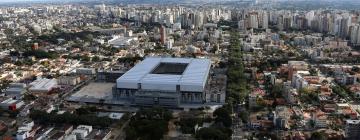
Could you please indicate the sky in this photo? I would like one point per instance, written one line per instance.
(7, 1)
(30, 0)
(18, 0)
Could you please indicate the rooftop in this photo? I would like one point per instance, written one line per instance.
(95, 91)
(166, 73)
(43, 84)
(353, 121)
(170, 68)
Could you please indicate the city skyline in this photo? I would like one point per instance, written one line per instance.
(179, 70)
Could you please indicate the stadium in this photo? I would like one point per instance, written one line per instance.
(165, 82)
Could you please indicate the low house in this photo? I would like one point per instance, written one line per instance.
(10, 104)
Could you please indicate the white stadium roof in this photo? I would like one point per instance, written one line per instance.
(192, 79)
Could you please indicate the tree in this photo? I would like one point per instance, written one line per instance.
(14, 53)
(42, 117)
(40, 54)
(9, 32)
(237, 82)
(313, 72)
(88, 38)
(211, 133)
(82, 111)
(86, 110)
(340, 91)
(176, 37)
(187, 125)
(1, 111)
(355, 69)
(318, 136)
(96, 59)
(223, 116)
(244, 116)
(29, 97)
(276, 91)
(85, 58)
(312, 123)
(308, 96)
(13, 113)
(18, 63)
(141, 126)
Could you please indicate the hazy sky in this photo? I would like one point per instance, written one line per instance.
(31, 0)
(19, 0)
(122, 0)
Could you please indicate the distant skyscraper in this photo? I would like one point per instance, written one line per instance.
(199, 19)
(103, 7)
(344, 27)
(301, 22)
(280, 23)
(358, 36)
(185, 20)
(310, 17)
(325, 24)
(337, 23)
(169, 19)
(287, 22)
(169, 43)
(241, 25)
(253, 20)
(355, 35)
(162, 34)
(265, 20)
